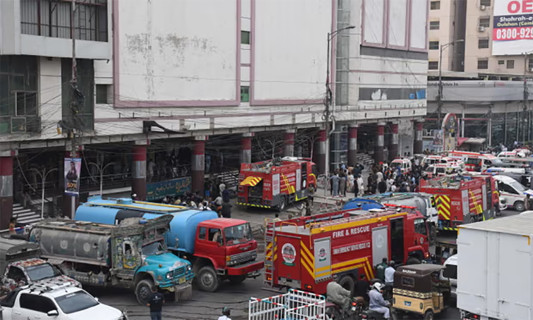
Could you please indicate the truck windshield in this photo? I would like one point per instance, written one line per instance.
(420, 226)
(153, 248)
(42, 271)
(238, 234)
(515, 184)
(76, 301)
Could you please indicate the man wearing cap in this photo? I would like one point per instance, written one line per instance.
(225, 314)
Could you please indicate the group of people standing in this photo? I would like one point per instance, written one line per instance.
(381, 178)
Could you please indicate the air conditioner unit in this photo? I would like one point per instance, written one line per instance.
(18, 124)
(482, 7)
(481, 29)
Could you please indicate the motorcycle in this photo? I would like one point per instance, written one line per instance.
(334, 311)
(371, 315)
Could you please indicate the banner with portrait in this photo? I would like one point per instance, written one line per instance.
(72, 170)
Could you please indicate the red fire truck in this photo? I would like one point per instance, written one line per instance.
(462, 199)
(308, 252)
(276, 183)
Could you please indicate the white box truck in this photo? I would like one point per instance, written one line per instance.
(495, 264)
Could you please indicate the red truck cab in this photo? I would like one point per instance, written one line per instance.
(225, 249)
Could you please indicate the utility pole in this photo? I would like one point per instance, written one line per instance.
(439, 95)
(328, 116)
(76, 97)
(524, 120)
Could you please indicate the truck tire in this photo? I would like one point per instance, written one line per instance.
(143, 291)
(428, 315)
(207, 279)
(519, 206)
(236, 279)
(348, 283)
(282, 204)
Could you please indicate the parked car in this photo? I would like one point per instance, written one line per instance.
(59, 302)
(513, 191)
(450, 273)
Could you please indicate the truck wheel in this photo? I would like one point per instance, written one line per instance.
(519, 206)
(207, 279)
(281, 205)
(143, 291)
(236, 279)
(432, 234)
(347, 283)
(428, 315)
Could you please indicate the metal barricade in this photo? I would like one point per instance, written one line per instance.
(294, 305)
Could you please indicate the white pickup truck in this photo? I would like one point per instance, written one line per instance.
(58, 302)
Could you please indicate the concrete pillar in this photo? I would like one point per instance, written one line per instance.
(393, 147)
(320, 152)
(198, 165)
(138, 172)
(380, 143)
(289, 143)
(6, 188)
(419, 126)
(246, 148)
(352, 144)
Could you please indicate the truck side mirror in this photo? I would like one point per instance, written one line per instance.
(52, 313)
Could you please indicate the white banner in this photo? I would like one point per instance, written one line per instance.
(512, 31)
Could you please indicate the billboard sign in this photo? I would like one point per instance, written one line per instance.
(512, 32)
(72, 167)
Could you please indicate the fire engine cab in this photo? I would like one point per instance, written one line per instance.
(462, 199)
(276, 183)
(308, 252)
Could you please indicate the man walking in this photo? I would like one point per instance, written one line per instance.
(156, 304)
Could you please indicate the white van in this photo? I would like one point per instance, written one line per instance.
(403, 164)
(514, 192)
(450, 273)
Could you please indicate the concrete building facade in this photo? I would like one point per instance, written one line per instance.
(489, 93)
(197, 84)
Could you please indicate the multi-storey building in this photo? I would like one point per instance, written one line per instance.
(174, 90)
(482, 61)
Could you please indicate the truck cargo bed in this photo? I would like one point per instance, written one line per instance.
(495, 264)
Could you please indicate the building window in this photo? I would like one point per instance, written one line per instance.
(245, 94)
(485, 3)
(501, 62)
(103, 93)
(510, 64)
(245, 37)
(433, 65)
(435, 5)
(18, 94)
(51, 18)
(484, 22)
(434, 25)
(530, 64)
(483, 64)
(433, 45)
(483, 43)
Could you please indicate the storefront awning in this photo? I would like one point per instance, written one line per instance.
(251, 181)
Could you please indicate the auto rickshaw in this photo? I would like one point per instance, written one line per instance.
(419, 290)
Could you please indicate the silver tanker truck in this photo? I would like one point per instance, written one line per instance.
(130, 255)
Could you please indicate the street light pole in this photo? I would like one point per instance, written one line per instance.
(439, 95)
(101, 168)
(328, 117)
(43, 176)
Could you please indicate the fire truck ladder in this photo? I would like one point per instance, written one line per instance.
(270, 251)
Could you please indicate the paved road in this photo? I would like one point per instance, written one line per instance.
(205, 305)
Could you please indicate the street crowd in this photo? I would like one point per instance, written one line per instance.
(382, 178)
